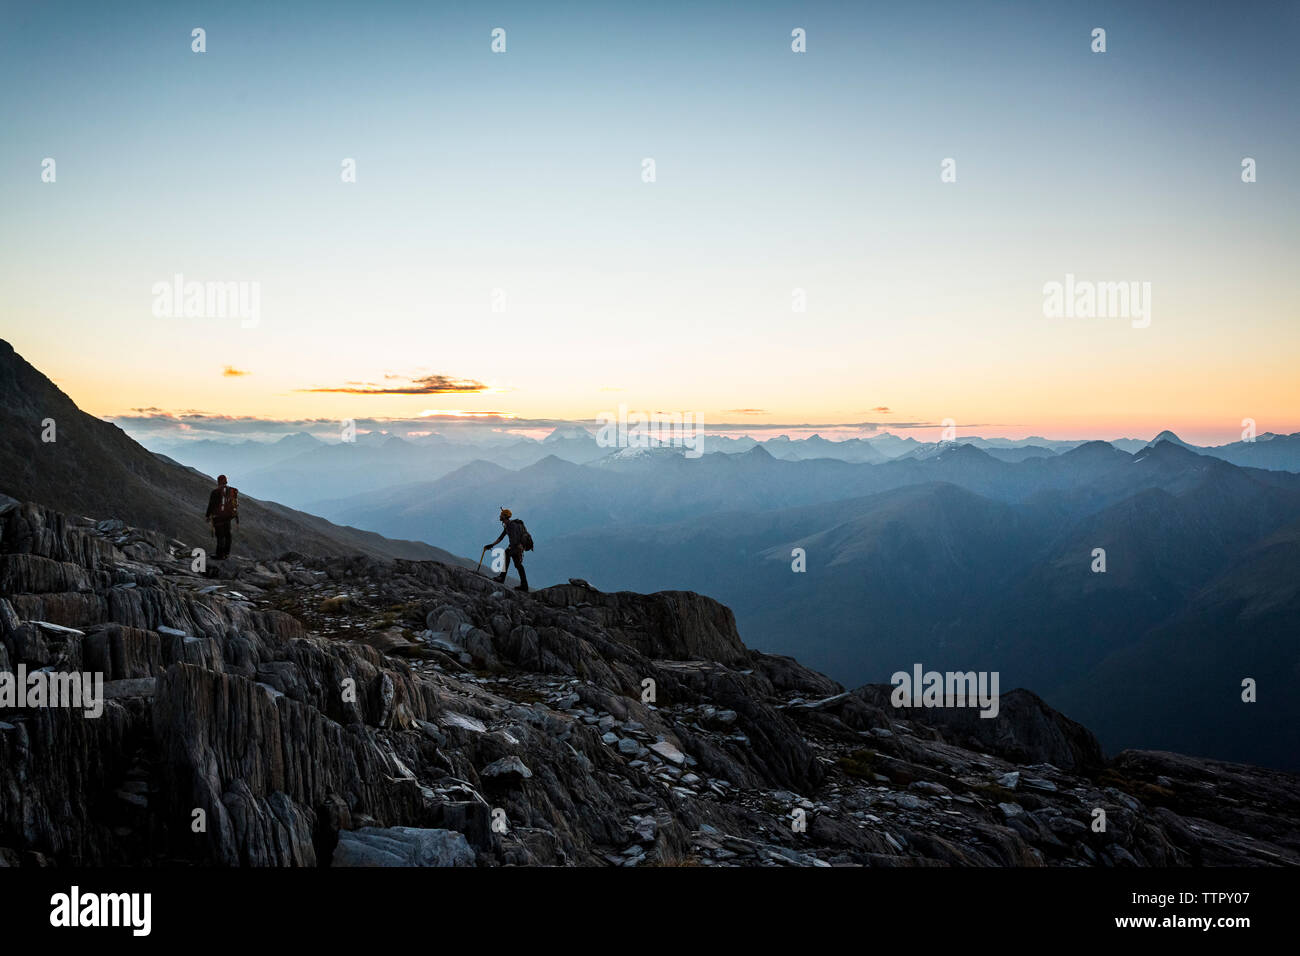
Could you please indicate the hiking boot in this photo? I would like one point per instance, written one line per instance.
(523, 588)
(500, 578)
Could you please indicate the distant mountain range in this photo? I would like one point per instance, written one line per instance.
(952, 557)
(305, 471)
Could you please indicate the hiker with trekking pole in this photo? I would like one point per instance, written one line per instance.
(520, 541)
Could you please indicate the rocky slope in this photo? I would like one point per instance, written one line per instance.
(91, 467)
(357, 711)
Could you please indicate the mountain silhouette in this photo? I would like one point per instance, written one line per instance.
(92, 468)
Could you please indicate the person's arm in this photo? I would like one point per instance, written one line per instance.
(212, 506)
(499, 537)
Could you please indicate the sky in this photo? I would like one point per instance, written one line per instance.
(517, 178)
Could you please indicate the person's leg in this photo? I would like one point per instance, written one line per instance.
(223, 539)
(519, 567)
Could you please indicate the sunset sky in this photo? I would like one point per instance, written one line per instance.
(522, 172)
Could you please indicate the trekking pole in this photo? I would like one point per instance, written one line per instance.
(480, 559)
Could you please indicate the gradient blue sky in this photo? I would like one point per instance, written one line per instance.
(775, 170)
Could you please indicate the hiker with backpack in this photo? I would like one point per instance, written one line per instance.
(223, 507)
(520, 541)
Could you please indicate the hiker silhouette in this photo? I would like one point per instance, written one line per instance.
(223, 508)
(520, 541)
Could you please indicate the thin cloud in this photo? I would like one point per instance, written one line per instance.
(162, 425)
(424, 385)
(156, 426)
(746, 411)
(456, 414)
(231, 372)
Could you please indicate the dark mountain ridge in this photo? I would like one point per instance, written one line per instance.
(92, 467)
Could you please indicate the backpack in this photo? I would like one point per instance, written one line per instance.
(525, 539)
(228, 507)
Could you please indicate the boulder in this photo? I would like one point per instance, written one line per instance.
(1025, 730)
(508, 770)
(402, 846)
